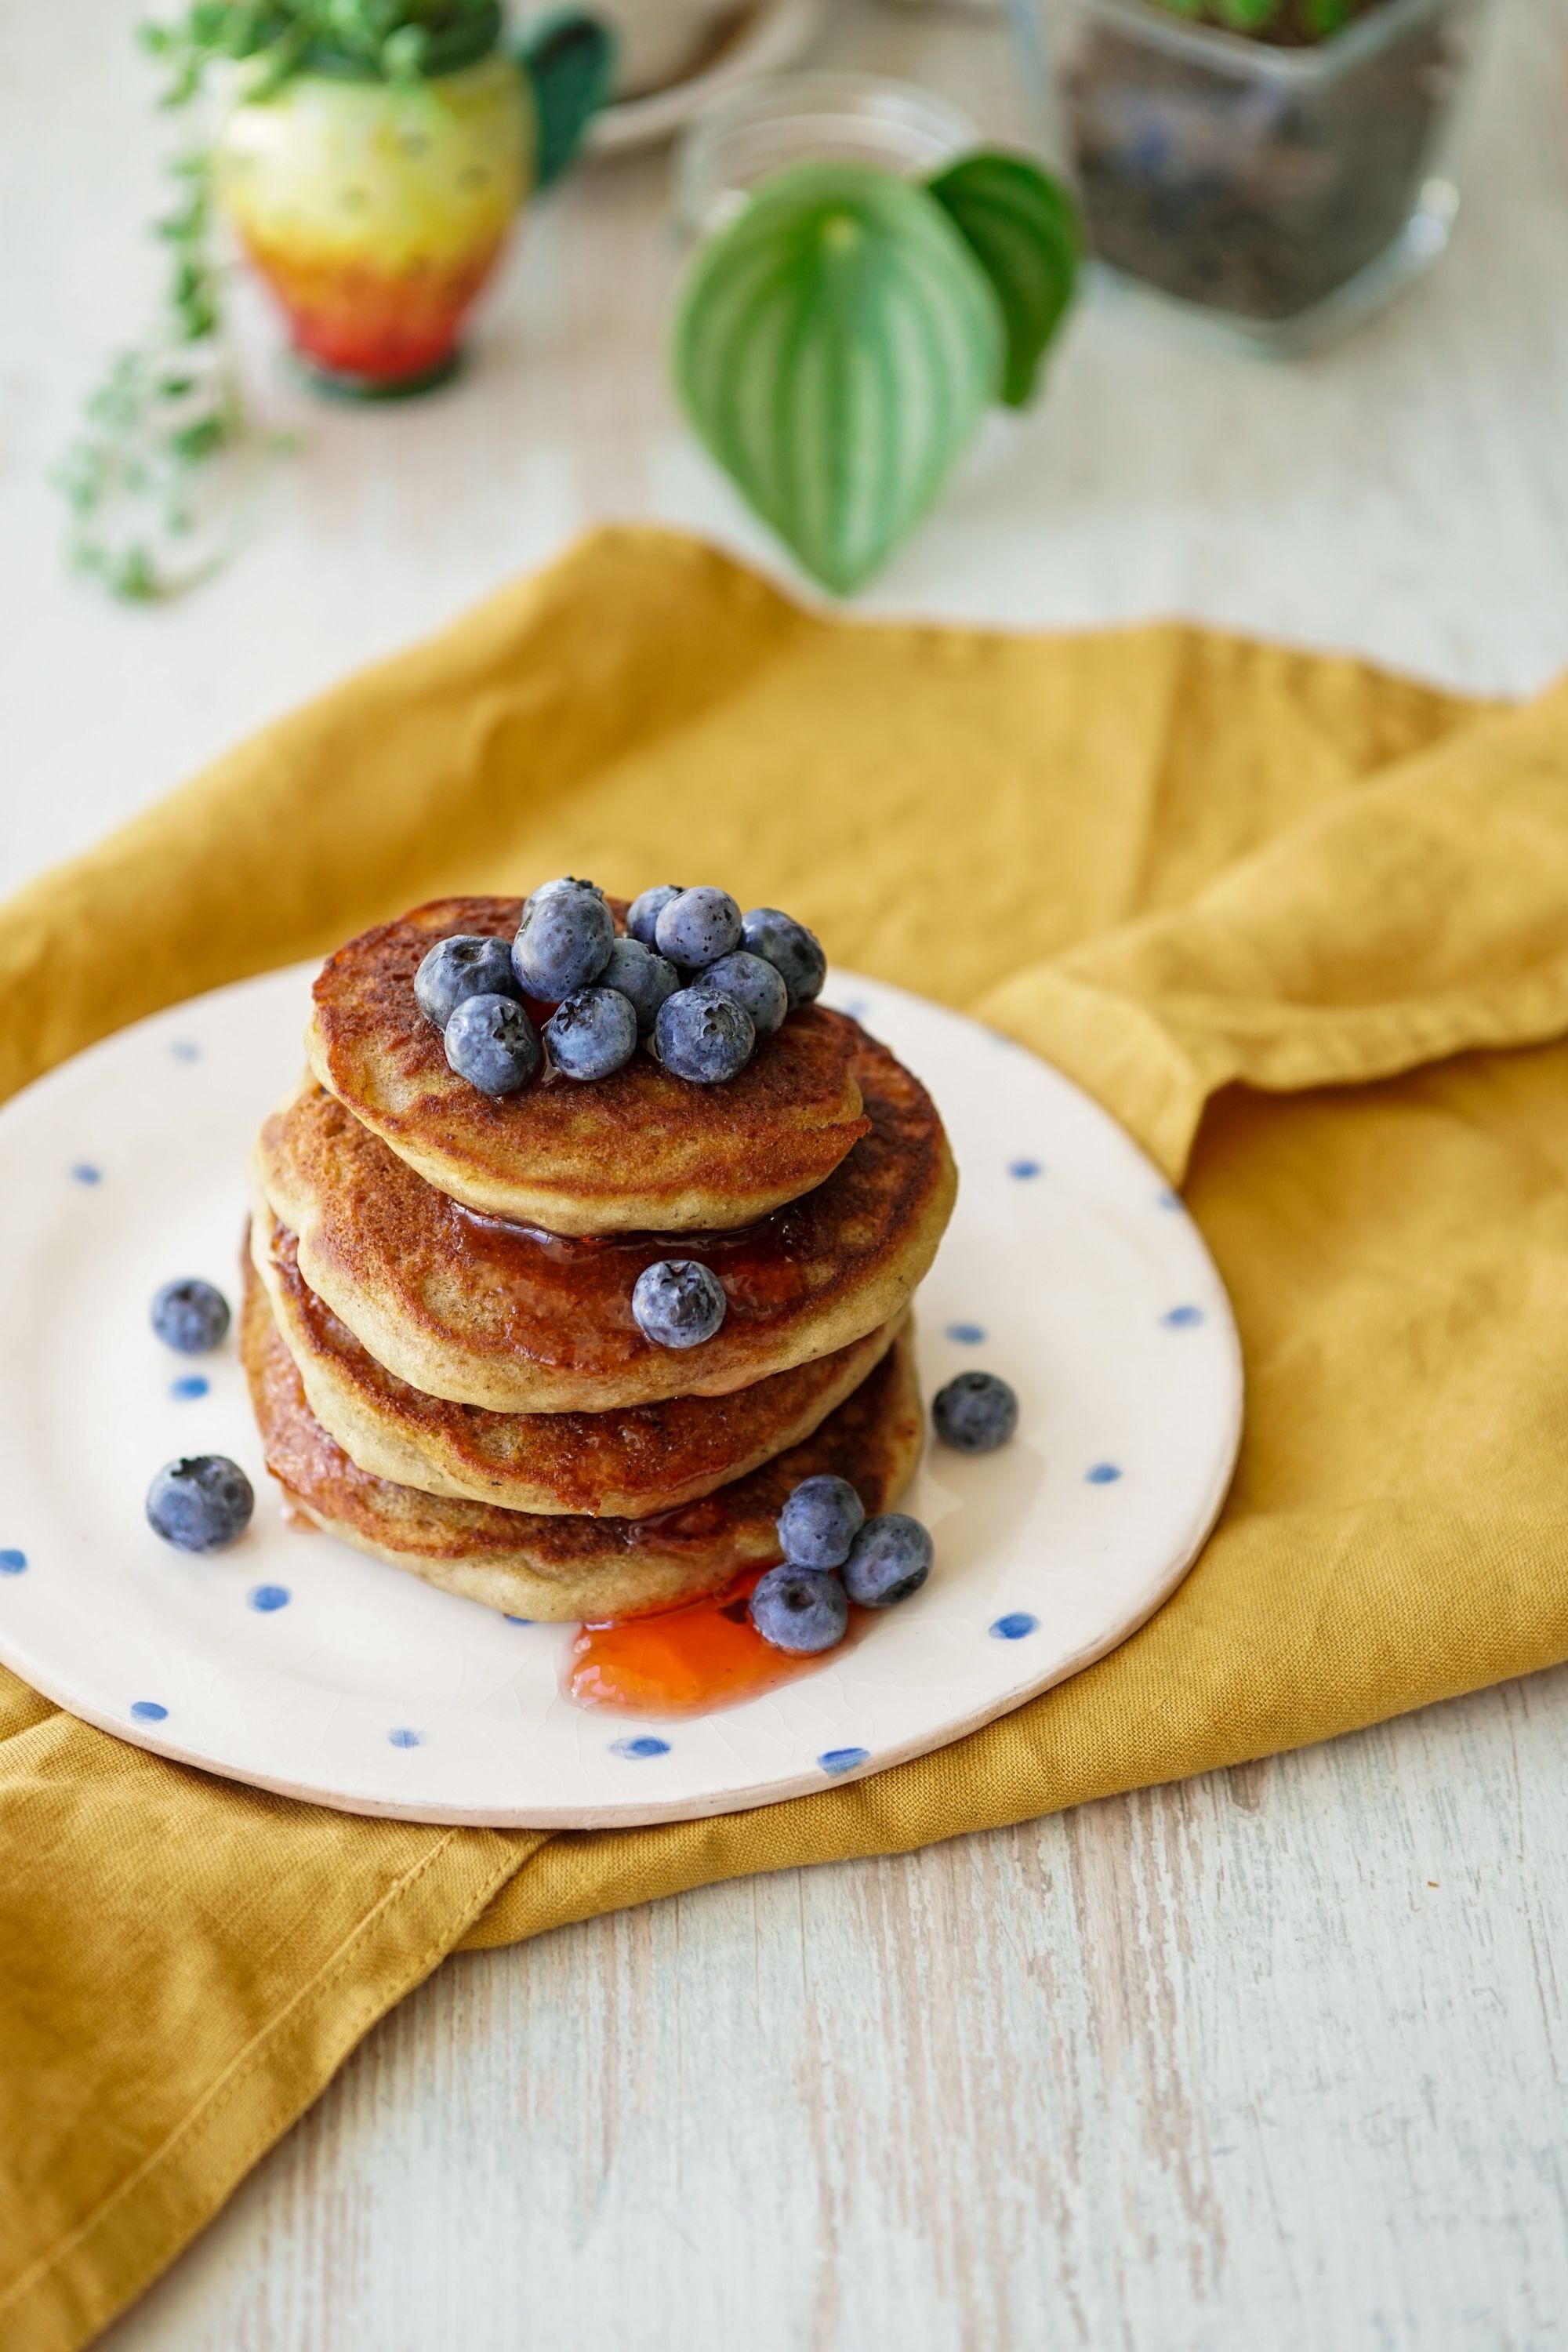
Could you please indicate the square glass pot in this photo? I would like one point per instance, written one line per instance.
(1283, 192)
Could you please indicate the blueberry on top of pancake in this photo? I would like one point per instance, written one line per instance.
(640, 1149)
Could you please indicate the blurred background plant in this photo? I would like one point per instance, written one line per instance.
(838, 342)
(157, 482)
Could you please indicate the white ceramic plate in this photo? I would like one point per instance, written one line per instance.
(296, 1664)
(772, 35)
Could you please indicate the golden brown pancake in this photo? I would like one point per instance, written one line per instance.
(492, 1314)
(639, 1151)
(651, 1457)
(566, 1568)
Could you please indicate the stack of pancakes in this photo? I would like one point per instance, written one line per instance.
(437, 1326)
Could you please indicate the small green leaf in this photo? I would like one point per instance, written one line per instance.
(835, 347)
(1023, 230)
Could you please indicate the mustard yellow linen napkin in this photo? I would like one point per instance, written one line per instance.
(1303, 926)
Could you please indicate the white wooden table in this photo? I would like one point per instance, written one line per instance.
(1274, 2059)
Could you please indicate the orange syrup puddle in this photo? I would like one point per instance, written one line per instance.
(688, 1660)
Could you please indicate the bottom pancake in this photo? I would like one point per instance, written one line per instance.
(560, 1567)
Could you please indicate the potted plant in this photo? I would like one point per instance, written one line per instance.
(371, 157)
(1281, 163)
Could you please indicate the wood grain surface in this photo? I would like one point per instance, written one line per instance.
(1274, 2059)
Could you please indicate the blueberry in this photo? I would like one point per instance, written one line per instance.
(800, 1609)
(458, 968)
(563, 944)
(757, 987)
(790, 948)
(592, 1033)
(642, 919)
(190, 1316)
(977, 1413)
(202, 1503)
(703, 1036)
(549, 890)
(641, 975)
(890, 1558)
(698, 927)
(490, 1041)
(819, 1522)
(677, 1303)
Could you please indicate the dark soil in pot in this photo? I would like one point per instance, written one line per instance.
(1255, 194)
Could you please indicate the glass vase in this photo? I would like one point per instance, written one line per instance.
(1283, 192)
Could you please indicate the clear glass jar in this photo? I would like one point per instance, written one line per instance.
(795, 117)
(1285, 192)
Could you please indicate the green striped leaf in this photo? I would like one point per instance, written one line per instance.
(1024, 232)
(835, 347)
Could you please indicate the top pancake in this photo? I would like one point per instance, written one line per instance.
(639, 1151)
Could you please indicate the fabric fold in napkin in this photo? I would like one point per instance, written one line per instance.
(1302, 926)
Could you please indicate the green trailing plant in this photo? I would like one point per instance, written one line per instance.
(837, 343)
(151, 511)
(1286, 24)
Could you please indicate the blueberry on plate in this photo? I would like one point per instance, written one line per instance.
(757, 987)
(201, 1503)
(703, 1036)
(465, 966)
(563, 944)
(677, 1303)
(190, 1316)
(790, 948)
(592, 1033)
(698, 927)
(490, 1041)
(642, 916)
(802, 1610)
(888, 1560)
(819, 1522)
(643, 976)
(975, 1412)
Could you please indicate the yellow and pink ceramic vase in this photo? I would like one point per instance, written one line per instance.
(376, 211)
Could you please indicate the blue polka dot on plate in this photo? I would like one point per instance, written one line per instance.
(147, 1710)
(11, 1562)
(844, 1759)
(519, 1621)
(190, 1384)
(1182, 1318)
(968, 1335)
(84, 1173)
(185, 1049)
(1167, 1199)
(266, 1598)
(1014, 1626)
(403, 1737)
(1103, 1474)
(1025, 1169)
(643, 1746)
